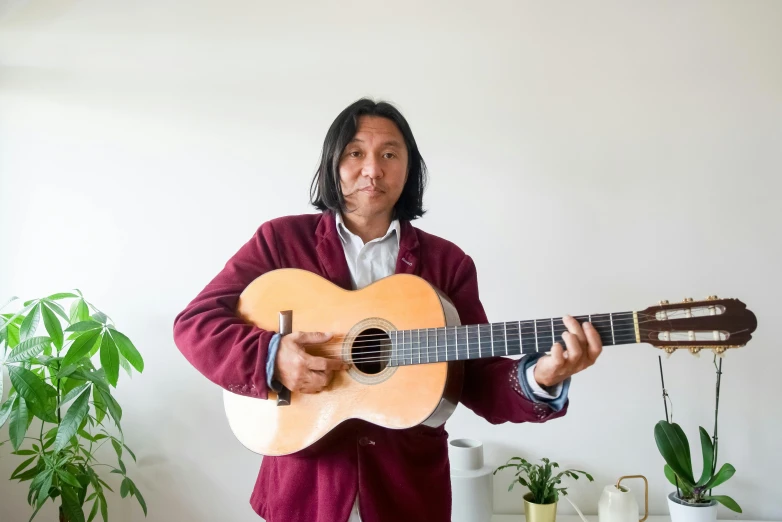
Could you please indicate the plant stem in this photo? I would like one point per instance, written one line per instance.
(665, 403)
(716, 414)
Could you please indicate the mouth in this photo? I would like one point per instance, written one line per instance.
(371, 190)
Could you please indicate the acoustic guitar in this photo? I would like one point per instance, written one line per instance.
(405, 345)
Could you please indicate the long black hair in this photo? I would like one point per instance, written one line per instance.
(326, 190)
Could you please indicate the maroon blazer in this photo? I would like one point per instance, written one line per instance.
(398, 474)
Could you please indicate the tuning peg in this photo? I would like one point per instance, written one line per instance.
(695, 350)
(664, 302)
(687, 300)
(712, 298)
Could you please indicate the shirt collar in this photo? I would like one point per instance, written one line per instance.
(346, 235)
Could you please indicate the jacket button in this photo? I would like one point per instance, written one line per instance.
(366, 441)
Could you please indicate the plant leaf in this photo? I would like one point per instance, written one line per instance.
(53, 326)
(70, 423)
(104, 507)
(68, 478)
(79, 311)
(21, 467)
(71, 505)
(128, 350)
(63, 295)
(672, 449)
(726, 501)
(708, 457)
(124, 488)
(35, 391)
(57, 309)
(671, 476)
(725, 472)
(101, 409)
(28, 349)
(73, 393)
(30, 323)
(80, 347)
(140, 498)
(109, 359)
(117, 447)
(84, 326)
(94, 510)
(43, 492)
(18, 426)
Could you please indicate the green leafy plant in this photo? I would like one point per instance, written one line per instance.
(540, 479)
(59, 402)
(675, 449)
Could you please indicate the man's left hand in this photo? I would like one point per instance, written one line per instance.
(583, 349)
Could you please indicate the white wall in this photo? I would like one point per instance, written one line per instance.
(590, 158)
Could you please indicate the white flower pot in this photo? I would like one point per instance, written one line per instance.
(685, 512)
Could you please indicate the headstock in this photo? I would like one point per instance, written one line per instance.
(713, 323)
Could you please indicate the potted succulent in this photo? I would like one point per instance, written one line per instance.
(60, 403)
(540, 502)
(693, 500)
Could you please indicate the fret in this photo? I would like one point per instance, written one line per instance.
(467, 340)
(394, 349)
(537, 347)
(456, 343)
(484, 332)
(513, 340)
(527, 337)
(498, 334)
(491, 329)
(475, 353)
(418, 345)
(505, 334)
(611, 318)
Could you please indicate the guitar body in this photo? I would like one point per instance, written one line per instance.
(395, 397)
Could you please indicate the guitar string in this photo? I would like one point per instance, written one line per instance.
(525, 328)
(407, 348)
(404, 354)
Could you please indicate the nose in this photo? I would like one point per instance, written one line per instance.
(371, 167)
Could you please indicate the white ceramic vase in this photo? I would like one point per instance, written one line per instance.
(684, 512)
(472, 491)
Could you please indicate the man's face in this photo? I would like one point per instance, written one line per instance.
(373, 167)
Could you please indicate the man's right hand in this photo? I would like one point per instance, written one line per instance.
(301, 372)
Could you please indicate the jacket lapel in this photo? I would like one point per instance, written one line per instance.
(407, 260)
(330, 253)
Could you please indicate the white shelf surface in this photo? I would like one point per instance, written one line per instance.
(593, 518)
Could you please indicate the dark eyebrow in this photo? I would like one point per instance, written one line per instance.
(389, 143)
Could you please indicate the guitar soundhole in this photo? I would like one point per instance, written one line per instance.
(371, 351)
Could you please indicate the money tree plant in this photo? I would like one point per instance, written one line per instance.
(63, 366)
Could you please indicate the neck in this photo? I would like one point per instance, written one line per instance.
(367, 227)
(455, 343)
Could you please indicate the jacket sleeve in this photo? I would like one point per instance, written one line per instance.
(213, 338)
(491, 385)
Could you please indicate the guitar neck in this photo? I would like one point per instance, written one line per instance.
(465, 342)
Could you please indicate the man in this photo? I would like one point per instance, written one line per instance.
(369, 187)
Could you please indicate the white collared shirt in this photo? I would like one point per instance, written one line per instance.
(371, 261)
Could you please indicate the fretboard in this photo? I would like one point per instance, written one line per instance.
(459, 343)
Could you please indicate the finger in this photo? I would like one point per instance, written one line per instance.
(324, 363)
(303, 338)
(319, 380)
(574, 327)
(595, 346)
(557, 356)
(574, 348)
